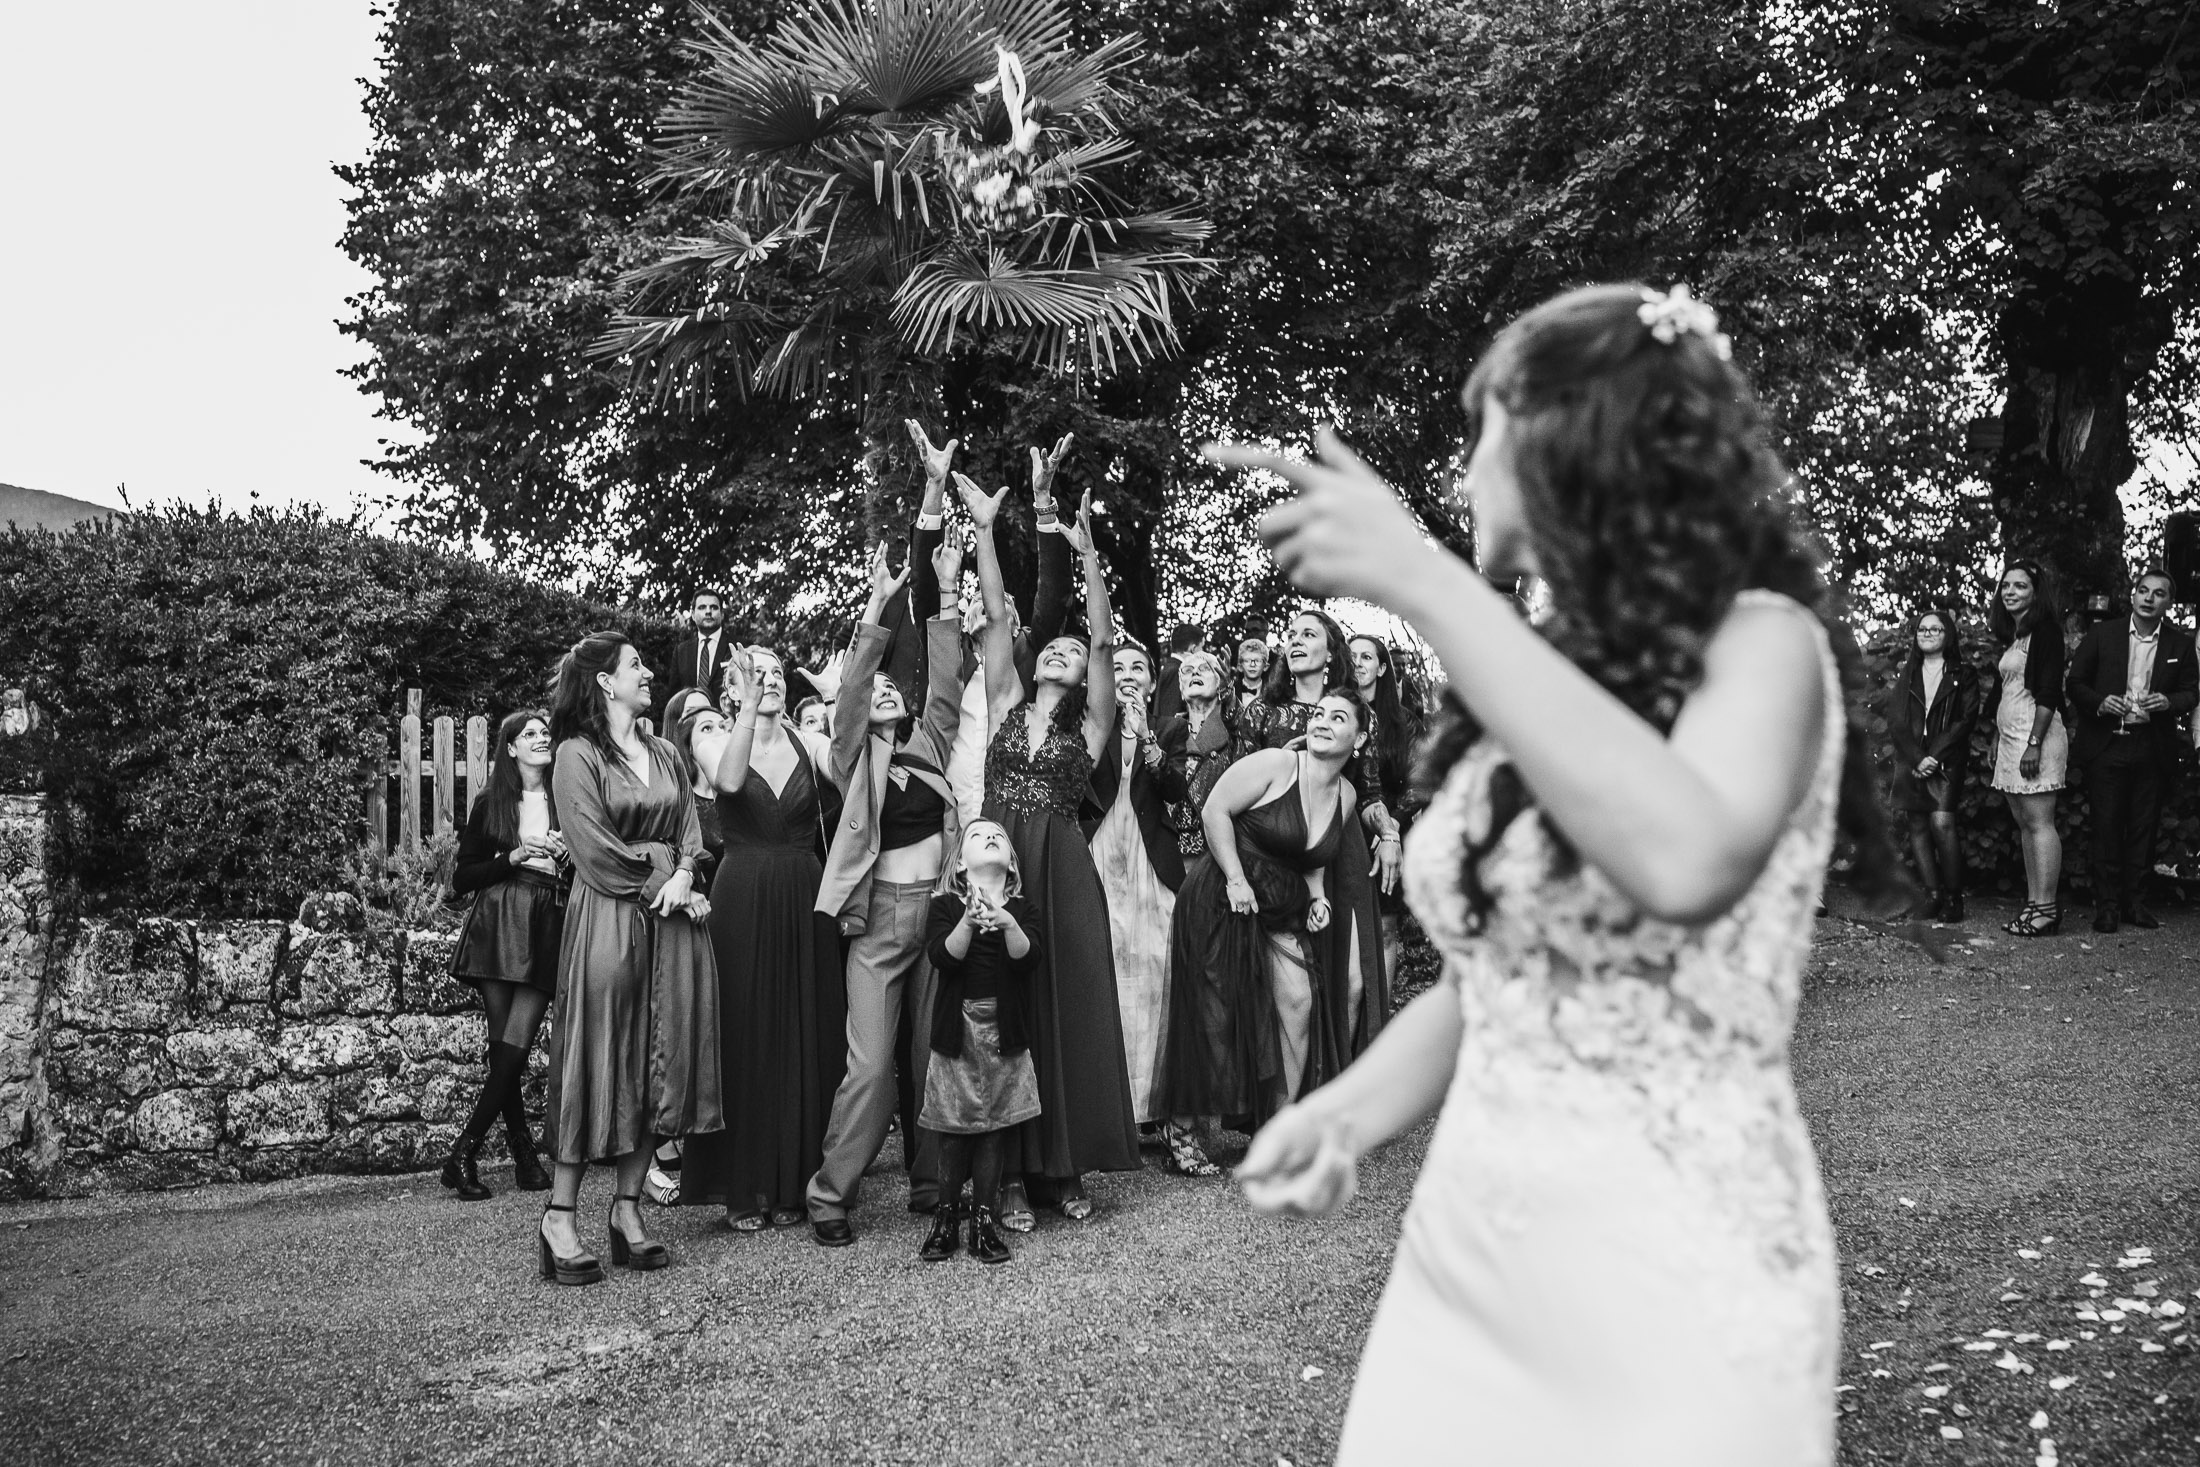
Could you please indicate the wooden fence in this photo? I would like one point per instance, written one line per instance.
(427, 783)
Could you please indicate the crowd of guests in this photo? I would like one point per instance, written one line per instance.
(1002, 879)
(2117, 710)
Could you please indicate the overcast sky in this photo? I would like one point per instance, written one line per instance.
(169, 272)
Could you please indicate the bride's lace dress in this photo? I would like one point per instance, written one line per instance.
(1618, 1251)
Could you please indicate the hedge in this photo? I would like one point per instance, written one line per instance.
(1990, 849)
(212, 683)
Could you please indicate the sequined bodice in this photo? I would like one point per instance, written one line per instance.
(1053, 779)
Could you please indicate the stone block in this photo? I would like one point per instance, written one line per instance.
(336, 973)
(334, 1049)
(229, 1058)
(426, 985)
(279, 1113)
(110, 1067)
(90, 1126)
(240, 962)
(446, 1095)
(178, 1120)
(459, 1037)
(365, 1096)
(401, 1147)
(111, 980)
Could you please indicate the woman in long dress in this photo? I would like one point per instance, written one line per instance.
(782, 1000)
(1618, 1250)
(2031, 740)
(1246, 960)
(1134, 845)
(1036, 771)
(634, 1041)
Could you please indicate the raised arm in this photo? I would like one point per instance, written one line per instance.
(1050, 590)
(733, 765)
(1100, 617)
(1004, 687)
(1682, 824)
(943, 689)
(924, 588)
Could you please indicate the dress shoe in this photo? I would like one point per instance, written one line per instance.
(985, 1244)
(528, 1172)
(1951, 909)
(945, 1239)
(2138, 916)
(2104, 919)
(832, 1232)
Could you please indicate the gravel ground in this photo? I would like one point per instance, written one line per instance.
(2021, 1092)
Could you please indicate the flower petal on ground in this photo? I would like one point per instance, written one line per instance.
(1935, 1392)
(2062, 1382)
(2039, 1421)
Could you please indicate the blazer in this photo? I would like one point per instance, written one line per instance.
(2098, 670)
(688, 670)
(858, 760)
(1152, 791)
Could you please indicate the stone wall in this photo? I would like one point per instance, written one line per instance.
(150, 1052)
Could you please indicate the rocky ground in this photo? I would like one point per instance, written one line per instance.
(2024, 1099)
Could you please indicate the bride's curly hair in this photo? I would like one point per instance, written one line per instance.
(1652, 498)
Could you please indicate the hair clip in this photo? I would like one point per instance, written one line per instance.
(1675, 313)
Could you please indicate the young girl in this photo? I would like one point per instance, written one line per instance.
(981, 936)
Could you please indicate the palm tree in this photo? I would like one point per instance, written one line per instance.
(894, 181)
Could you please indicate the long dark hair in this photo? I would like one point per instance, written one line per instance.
(1653, 499)
(1282, 684)
(1399, 722)
(577, 709)
(500, 801)
(1951, 645)
(682, 710)
(2045, 610)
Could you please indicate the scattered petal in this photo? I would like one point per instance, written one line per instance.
(1961, 1410)
(2026, 1338)
(2112, 1315)
(1980, 1345)
(2039, 1421)
(2062, 1382)
(1994, 1334)
(2151, 1347)
(1312, 1372)
(1837, 1390)
(2030, 1253)
(2087, 1334)
(2161, 1400)
(2048, 1239)
(2094, 1281)
(2169, 1308)
(1870, 1270)
(2010, 1362)
(2058, 1344)
(2150, 1289)
(1889, 1375)
(2011, 1298)
(1881, 1345)
(1952, 1433)
(1907, 1201)
(1935, 1392)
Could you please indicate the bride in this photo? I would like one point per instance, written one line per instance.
(1618, 1250)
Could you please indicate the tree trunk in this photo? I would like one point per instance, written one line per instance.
(2070, 363)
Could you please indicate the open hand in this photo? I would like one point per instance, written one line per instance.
(884, 582)
(984, 508)
(1386, 864)
(1346, 534)
(1299, 1165)
(947, 564)
(936, 460)
(1044, 466)
(740, 679)
(1079, 535)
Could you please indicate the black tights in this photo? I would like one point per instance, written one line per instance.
(515, 1013)
(1937, 847)
(975, 1158)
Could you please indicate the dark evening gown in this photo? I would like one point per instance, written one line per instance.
(634, 1037)
(1340, 1032)
(1074, 1023)
(1225, 1051)
(783, 1000)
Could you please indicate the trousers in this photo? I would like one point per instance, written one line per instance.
(886, 971)
(2123, 787)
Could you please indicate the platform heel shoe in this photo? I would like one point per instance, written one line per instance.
(642, 1256)
(577, 1268)
(462, 1172)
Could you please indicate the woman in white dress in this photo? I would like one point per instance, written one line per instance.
(2031, 743)
(1618, 1250)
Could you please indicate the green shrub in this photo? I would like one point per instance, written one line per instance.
(212, 684)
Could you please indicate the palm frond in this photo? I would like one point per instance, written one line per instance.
(888, 56)
(1068, 317)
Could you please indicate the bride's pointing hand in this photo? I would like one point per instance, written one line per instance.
(1346, 534)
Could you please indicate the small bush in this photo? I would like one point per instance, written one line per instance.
(212, 684)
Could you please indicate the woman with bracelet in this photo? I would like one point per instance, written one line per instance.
(902, 828)
(1036, 771)
(1246, 959)
(634, 1050)
(782, 1001)
(1639, 795)
(1354, 1001)
(2032, 744)
(511, 860)
(1126, 816)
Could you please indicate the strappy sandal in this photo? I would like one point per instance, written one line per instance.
(1073, 1202)
(751, 1221)
(1015, 1211)
(2038, 919)
(1186, 1158)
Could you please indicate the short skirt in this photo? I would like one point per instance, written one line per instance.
(980, 1089)
(513, 932)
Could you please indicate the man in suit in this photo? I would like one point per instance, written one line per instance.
(1168, 698)
(699, 661)
(2132, 684)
